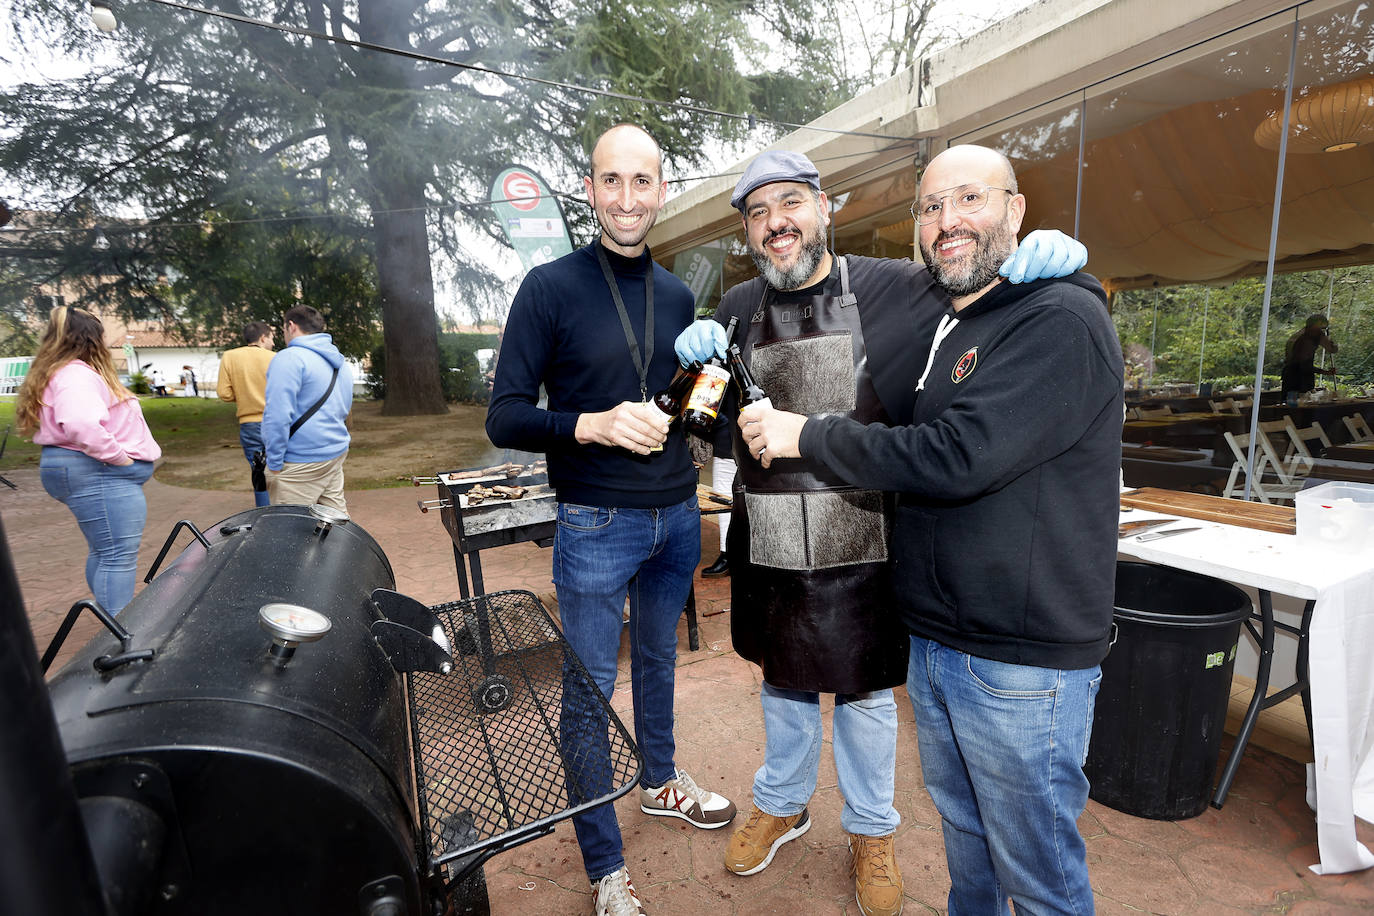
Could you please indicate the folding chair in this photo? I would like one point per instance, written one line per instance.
(1359, 428)
(3, 442)
(1150, 413)
(1281, 486)
(1299, 452)
(1226, 405)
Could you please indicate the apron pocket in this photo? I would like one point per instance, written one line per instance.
(816, 530)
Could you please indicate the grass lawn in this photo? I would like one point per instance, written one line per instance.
(178, 425)
(200, 444)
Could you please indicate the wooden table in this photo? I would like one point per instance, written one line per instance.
(1351, 451)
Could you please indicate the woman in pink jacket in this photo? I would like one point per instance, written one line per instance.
(97, 449)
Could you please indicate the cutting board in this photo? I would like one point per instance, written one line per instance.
(1278, 519)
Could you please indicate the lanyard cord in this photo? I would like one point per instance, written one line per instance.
(947, 323)
(641, 365)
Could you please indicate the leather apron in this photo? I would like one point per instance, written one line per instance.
(811, 591)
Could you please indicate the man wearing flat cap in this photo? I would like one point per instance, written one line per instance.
(811, 593)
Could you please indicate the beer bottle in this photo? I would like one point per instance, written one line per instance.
(703, 404)
(668, 402)
(750, 390)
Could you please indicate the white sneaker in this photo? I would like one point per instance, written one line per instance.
(616, 896)
(682, 797)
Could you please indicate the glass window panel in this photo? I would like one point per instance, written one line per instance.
(1043, 148)
(1326, 223)
(1178, 205)
(874, 219)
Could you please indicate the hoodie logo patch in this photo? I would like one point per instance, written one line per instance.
(965, 366)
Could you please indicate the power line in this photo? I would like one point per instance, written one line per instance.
(571, 197)
(490, 71)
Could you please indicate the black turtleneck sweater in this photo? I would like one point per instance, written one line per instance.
(564, 333)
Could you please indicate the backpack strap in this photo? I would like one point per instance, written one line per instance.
(300, 421)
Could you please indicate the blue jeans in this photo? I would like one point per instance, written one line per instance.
(865, 748)
(250, 437)
(109, 506)
(600, 556)
(1002, 750)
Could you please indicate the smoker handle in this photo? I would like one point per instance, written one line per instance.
(104, 662)
(167, 545)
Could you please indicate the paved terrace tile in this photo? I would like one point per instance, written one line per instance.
(1249, 858)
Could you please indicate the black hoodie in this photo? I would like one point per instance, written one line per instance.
(1007, 475)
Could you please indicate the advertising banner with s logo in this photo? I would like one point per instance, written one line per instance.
(531, 216)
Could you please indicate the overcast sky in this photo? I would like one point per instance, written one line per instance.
(29, 64)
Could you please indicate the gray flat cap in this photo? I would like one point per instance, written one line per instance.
(774, 165)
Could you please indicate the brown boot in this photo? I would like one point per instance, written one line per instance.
(877, 879)
(753, 845)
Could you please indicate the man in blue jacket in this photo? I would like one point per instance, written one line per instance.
(1005, 468)
(309, 395)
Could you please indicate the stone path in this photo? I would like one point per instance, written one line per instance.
(1249, 858)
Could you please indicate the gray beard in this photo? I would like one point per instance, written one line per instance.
(991, 248)
(812, 252)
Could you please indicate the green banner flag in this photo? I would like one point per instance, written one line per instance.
(530, 215)
(700, 269)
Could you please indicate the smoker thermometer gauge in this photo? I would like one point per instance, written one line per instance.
(289, 625)
(326, 518)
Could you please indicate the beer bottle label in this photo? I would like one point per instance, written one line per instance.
(709, 391)
(656, 413)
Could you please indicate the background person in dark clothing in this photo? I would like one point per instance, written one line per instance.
(1004, 548)
(627, 515)
(1300, 356)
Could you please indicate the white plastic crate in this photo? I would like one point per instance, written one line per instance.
(1339, 516)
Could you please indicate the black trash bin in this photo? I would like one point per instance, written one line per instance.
(1160, 711)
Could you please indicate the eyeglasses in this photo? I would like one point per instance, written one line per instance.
(967, 198)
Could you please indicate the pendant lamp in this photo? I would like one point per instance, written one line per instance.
(1329, 119)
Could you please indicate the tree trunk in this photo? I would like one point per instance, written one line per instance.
(405, 283)
(410, 331)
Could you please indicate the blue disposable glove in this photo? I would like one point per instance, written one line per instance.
(703, 339)
(1044, 253)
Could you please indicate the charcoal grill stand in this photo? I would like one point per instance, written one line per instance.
(468, 547)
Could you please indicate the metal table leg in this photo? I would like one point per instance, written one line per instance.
(1260, 701)
(1247, 725)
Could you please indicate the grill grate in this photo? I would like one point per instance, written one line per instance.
(494, 753)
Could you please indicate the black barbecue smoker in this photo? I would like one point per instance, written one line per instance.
(270, 728)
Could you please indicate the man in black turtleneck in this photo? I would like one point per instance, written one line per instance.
(596, 329)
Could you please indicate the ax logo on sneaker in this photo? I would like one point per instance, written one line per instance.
(965, 366)
(682, 797)
(668, 797)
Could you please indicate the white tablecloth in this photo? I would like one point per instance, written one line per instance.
(1341, 657)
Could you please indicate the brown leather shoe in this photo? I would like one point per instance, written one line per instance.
(752, 846)
(877, 879)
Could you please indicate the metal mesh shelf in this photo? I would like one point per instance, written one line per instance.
(497, 760)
